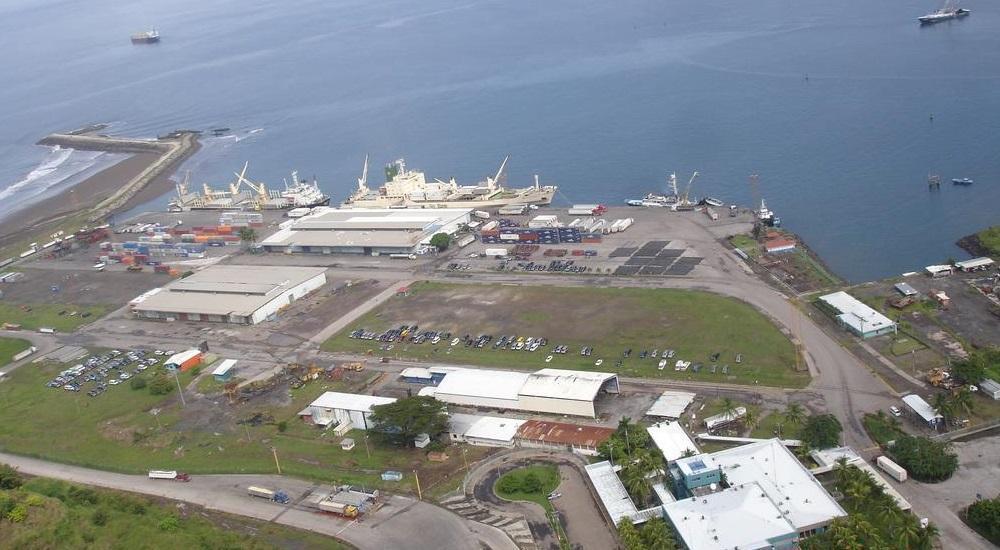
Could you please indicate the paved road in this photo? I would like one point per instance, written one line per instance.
(44, 342)
(585, 527)
(401, 523)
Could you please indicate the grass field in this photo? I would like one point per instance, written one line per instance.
(63, 515)
(746, 244)
(115, 431)
(906, 344)
(546, 473)
(48, 315)
(694, 324)
(9, 347)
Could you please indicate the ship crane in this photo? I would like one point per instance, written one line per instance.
(687, 190)
(672, 184)
(363, 180)
(500, 178)
(258, 188)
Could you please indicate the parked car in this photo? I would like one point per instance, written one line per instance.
(894, 410)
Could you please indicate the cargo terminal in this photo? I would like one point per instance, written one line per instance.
(366, 231)
(244, 295)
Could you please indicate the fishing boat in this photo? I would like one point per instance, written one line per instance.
(947, 13)
(962, 181)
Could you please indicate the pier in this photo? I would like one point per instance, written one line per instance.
(172, 150)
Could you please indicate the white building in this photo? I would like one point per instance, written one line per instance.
(365, 231)
(771, 502)
(671, 404)
(856, 316)
(483, 431)
(335, 408)
(672, 440)
(923, 409)
(552, 391)
(237, 294)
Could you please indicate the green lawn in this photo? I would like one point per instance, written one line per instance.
(882, 427)
(63, 515)
(769, 427)
(695, 324)
(115, 431)
(746, 244)
(990, 239)
(9, 347)
(548, 474)
(905, 345)
(48, 315)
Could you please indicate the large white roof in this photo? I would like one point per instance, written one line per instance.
(671, 404)
(565, 384)
(782, 477)
(855, 313)
(974, 263)
(492, 384)
(494, 428)
(921, 407)
(611, 491)
(350, 401)
(741, 517)
(671, 439)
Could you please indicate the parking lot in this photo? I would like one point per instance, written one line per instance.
(97, 374)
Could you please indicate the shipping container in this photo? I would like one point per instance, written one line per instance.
(896, 471)
(481, 214)
(466, 241)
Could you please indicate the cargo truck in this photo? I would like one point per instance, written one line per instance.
(888, 466)
(339, 508)
(278, 496)
(169, 474)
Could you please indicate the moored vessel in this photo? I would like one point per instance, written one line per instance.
(948, 12)
(256, 195)
(146, 37)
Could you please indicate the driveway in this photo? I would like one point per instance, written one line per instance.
(584, 524)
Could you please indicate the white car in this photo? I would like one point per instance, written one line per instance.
(894, 410)
(455, 342)
(548, 359)
(125, 376)
(599, 362)
(682, 365)
(114, 381)
(662, 364)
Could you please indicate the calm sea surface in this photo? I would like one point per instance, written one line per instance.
(842, 108)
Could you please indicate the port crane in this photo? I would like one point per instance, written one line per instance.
(685, 201)
(363, 180)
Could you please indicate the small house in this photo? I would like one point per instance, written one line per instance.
(990, 388)
(224, 372)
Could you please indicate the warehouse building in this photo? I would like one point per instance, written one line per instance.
(366, 231)
(340, 409)
(856, 316)
(244, 295)
(552, 391)
(770, 499)
(975, 264)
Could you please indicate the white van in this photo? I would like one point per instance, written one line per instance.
(100, 266)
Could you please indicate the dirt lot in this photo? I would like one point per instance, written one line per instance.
(79, 286)
(694, 324)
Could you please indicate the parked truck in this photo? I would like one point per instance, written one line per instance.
(339, 508)
(278, 495)
(169, 474)
(888, 466)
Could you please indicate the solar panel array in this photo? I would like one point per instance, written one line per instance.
(654, 259)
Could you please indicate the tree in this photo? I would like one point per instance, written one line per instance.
(248, 235)
(984, 517)
(657, 535)
(962, 399)
(925, 459)
(636, 483)
(441, 241)
(629, 535)
(9, 477)
(161, 384)
(729, 407)
(822, 431)
(405, 419)
(530, 483)
(750, 420)
(794, 414)
(138, 383)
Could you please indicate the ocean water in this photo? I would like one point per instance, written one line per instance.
(842, 108)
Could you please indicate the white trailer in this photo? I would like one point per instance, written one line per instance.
(169, 474)
(888, 466)
(580, 211)
(466, 241)
(495, 252)
(490, 226)
(483, 215)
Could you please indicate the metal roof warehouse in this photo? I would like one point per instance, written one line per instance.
(577, 438)
(857, 316)
(548, 390)
(231, 294)
(365, 230)
(343, 408)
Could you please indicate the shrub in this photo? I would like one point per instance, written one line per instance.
(18, 513)
(161, 385)
(7, 503)
(195, 371)
(984, 517)
(34, 500)
(283, 426)
(99, 517)
(822, 431)
(169, 523)
(138, 383)
(925, 459)
(509, 484)
(530, 483)
(9, 477)
(81, 495)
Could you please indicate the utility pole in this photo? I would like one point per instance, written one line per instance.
(367, 452)
(274, 451)
(179, 389)
(419, 493)
(465, 458)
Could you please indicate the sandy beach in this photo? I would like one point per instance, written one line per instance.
(83, 196)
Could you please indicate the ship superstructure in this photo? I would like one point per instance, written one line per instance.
(245, 194)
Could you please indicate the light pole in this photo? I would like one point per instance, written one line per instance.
(179, 389)
(274, 451)
(420, 495)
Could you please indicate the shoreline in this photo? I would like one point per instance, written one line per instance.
(87, 196)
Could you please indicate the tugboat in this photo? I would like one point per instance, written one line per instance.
(947, 13)
(146, 37)
(766, 216)
(961, 181)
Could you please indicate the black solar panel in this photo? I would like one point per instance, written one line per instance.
(627, 270)
(652, 270)
(623, 252)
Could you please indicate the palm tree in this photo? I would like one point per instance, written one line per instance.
(657, 536)
(963, 400)
(635, 481)
(648, 462)
(794, 413)
(943, 406)
(907, 534)
(729, 407)
(750, 420)
(925, 541)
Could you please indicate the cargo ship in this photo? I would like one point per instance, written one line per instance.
(146, 37)
(947, 13)
(256, 196)
(405, 188)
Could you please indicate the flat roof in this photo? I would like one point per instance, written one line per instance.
(784, 480)
(490, 384)
(611, 491)
(922, 408)
(565, 384)
(905, 289)
(740, 517)
(938, 268)
(180, 357)
(989, 385)
(855, 313)
(350, 401)
(227, 289)
(974, 263)
(561, 433)
(224, 367)
(415, 372)
(365, 227)
(672, 440)
(494, 428)
(671, 404)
